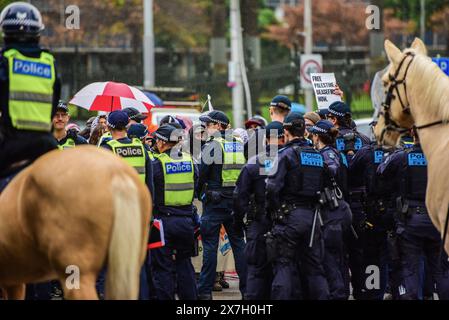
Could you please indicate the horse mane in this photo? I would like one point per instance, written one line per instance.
(430, 85)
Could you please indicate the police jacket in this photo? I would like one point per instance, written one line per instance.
(29, 50)
(70, 142)
(348, 137)
(148, 166)
(249, 193)
(337, 165)
(211, 173)
(159, 188)
(300, 173)
(408, 169)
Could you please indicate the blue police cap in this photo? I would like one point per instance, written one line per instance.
(322, 126)
(118, 119)
(137, 130)
(277, 126)
(215, 117)
(339, 109)
(281, 102)
(166, 133)
(294, 119)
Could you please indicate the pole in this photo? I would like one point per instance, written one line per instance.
(237, 90)
(308, 47)
(423, 20)
(148, 45)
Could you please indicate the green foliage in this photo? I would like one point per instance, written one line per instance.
(411, 9)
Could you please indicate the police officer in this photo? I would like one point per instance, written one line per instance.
(134, 115)
(349, 142)
(174, 181)
(338, 219)
(138, 131)
(370, 202)
(66, 139)
(29, 90)
(249, 202)
(292, 200)
(133, 152)
(221, 162)
(417, 235)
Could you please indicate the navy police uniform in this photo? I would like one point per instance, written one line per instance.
(417, 235)
(296, 240)
(337, 221)
(249, 201)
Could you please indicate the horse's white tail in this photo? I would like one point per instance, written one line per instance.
(122, 279)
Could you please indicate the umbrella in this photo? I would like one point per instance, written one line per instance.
(154, 98)
(111, 96)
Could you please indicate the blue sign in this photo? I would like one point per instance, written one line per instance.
(417, 160)
(30, 68)
(340, 144)
(178, 167)
(443, 63)
(311, 159)
(378, 156)
(233, 147)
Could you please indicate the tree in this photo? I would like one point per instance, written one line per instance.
(334, 22)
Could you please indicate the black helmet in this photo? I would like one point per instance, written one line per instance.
(21, 21)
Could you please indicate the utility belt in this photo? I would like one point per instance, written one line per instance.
(329, 198)
(405, 211)
(287, 208)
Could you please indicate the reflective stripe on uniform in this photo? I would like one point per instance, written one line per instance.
(179, 186)
(28, 96)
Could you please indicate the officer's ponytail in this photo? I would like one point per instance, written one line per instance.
(329, 137)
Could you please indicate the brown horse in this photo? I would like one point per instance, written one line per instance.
(420, 96)
(74, 210)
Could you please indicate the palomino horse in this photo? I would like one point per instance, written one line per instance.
(78, 209)
(418, 94)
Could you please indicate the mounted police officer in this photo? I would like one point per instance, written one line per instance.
(249, 202)
(175, 176)
(338, 217)
(418, 237)
(29, 90)
(66, 139)
(293, 201)
(221, 162)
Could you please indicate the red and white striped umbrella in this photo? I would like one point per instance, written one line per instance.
(111, 96)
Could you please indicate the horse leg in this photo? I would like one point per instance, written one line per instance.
(14, 292)
(85, 291)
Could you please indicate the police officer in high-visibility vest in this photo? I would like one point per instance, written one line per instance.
(222, 159)
(29, 91)
(133, 152)
(417, 236)
(66, 139)
(175, 176)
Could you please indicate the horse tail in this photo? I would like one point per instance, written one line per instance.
(125, 247)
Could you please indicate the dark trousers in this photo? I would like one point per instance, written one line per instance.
(292, 236)
(211, 222)
(171, 265)
(258, 284)
(418, 238)
(336, 230)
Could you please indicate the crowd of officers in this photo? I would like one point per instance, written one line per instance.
(311, 206)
